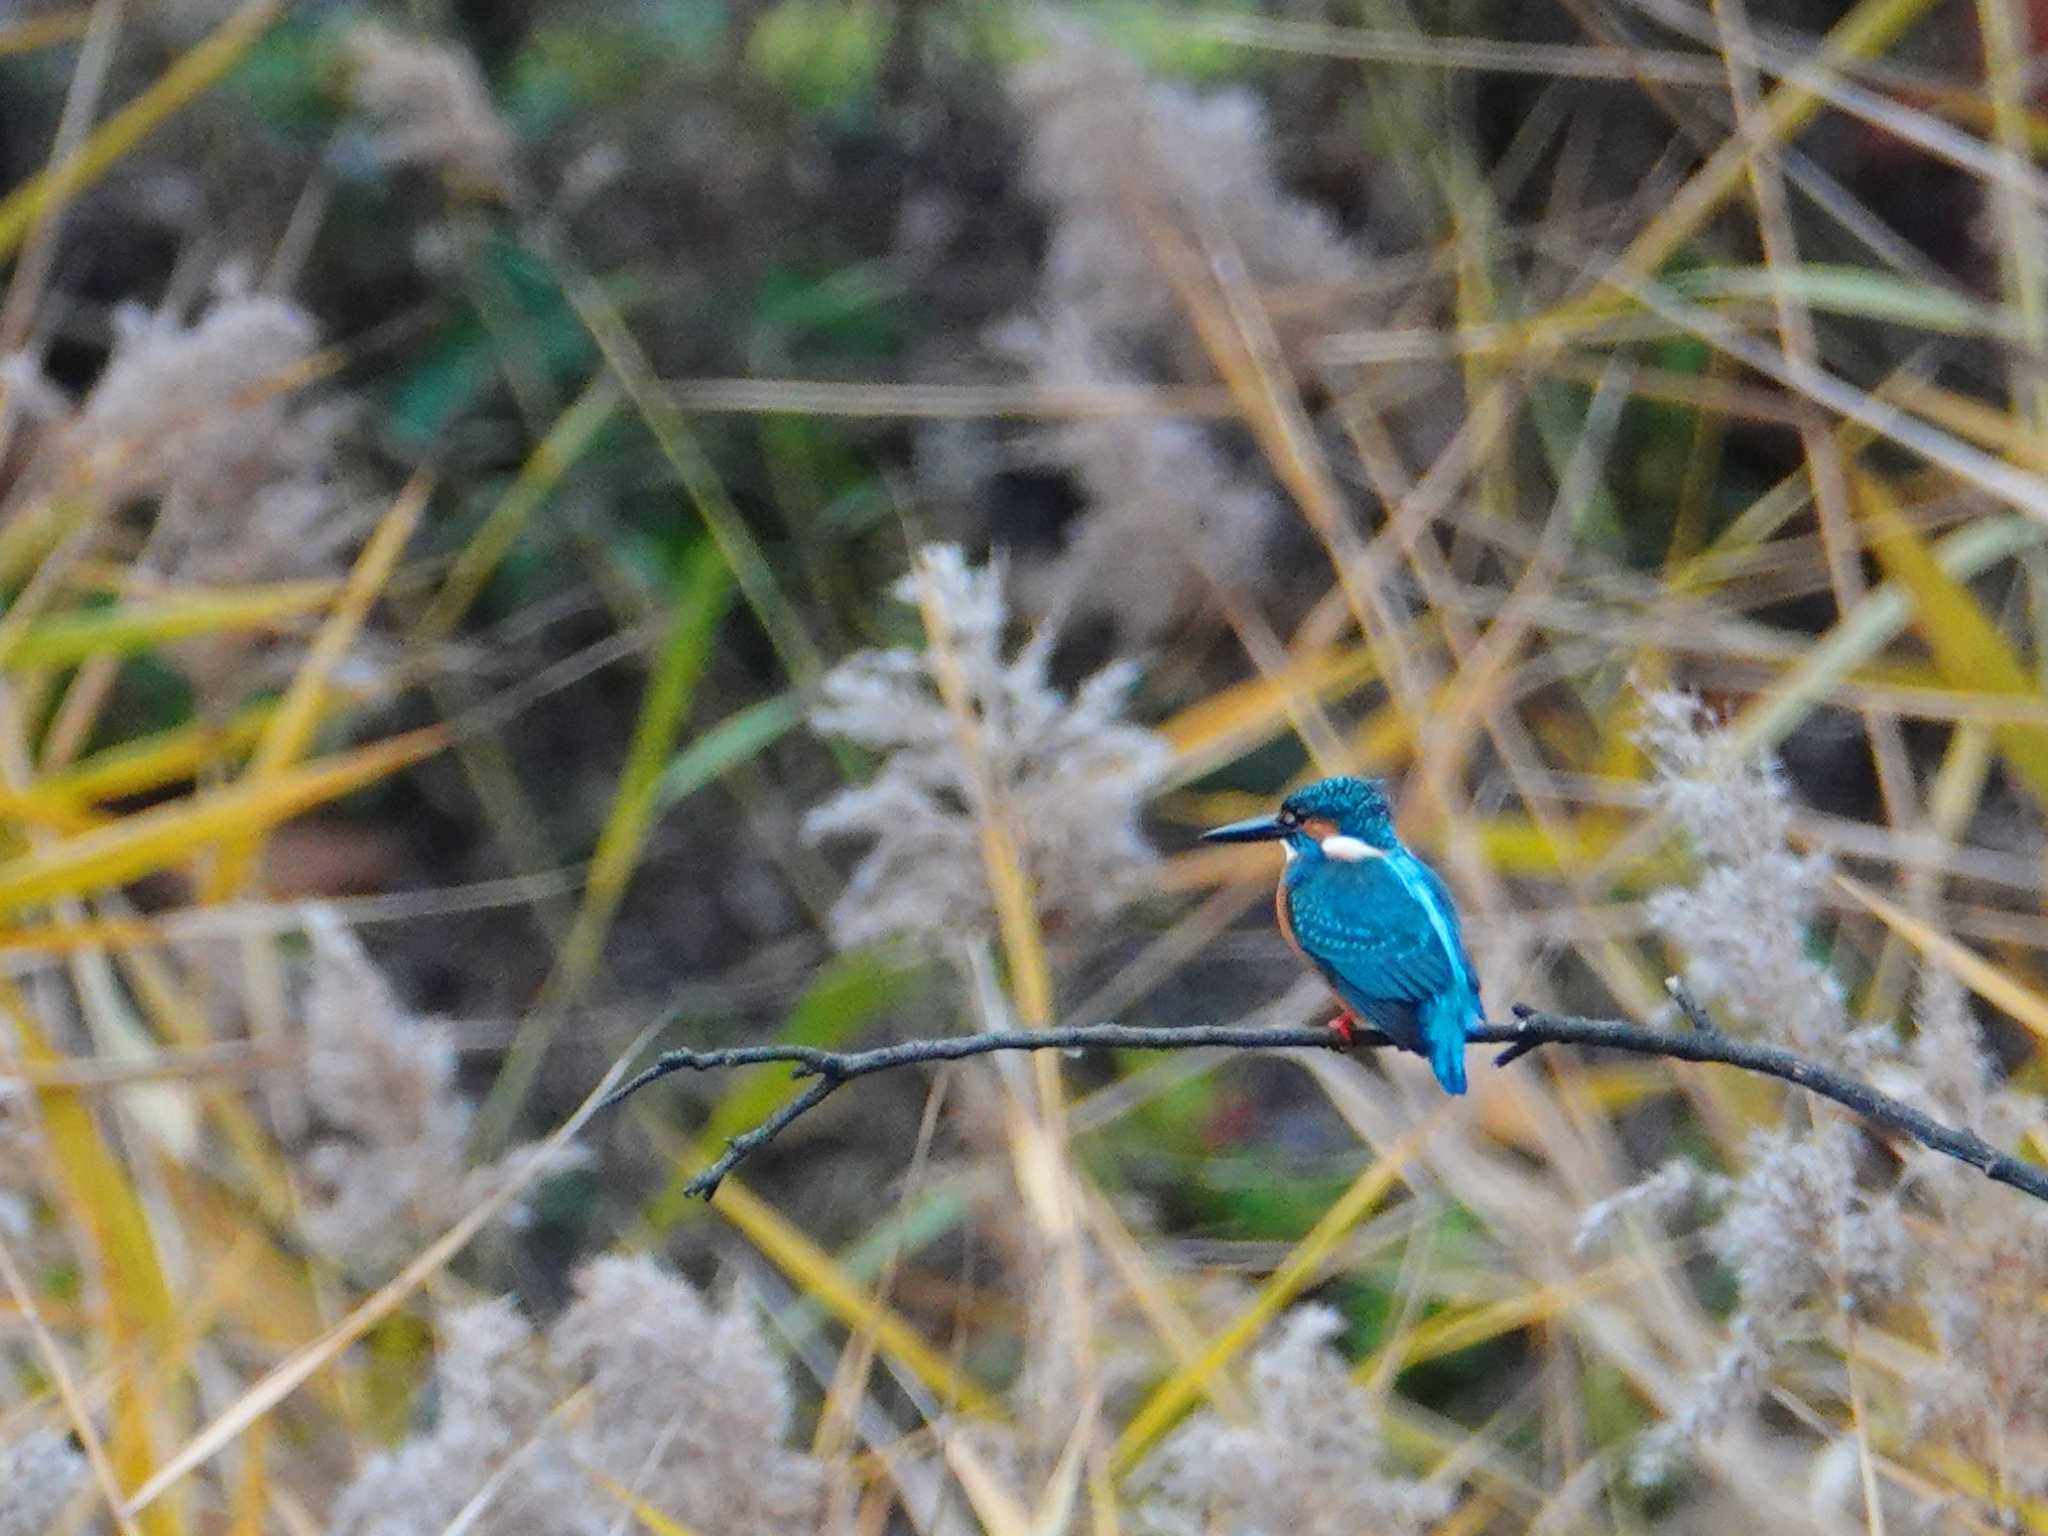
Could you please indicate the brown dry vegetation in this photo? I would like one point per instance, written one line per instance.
(522, 522)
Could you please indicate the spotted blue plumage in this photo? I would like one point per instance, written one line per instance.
(1375, 921)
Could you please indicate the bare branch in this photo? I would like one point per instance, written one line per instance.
(1530, 1031)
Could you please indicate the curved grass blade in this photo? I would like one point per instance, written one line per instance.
(291, 1373)
(703, 593)
(1180, 1391)
(290, 728)
(737, 739)
(125, 629)
(197, 71)
(1969, 651)
(181, 830)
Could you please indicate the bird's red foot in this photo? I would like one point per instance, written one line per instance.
(1345, 1028)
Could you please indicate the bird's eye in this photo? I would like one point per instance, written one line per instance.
(1290, 818)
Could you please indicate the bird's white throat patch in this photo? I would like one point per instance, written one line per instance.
(1350, 850)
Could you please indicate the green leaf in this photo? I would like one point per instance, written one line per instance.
(444, 381)
(693, 29)
(725, 746)
(702, 593)
(827, 54)
(1157, 34)
(848, 994)
(284, 77)
(1842, 290)
(851, 315)
(526, 313)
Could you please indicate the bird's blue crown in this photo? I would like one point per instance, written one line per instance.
(1355, 807)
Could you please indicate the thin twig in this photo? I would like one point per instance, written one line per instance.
(740, 1146)
(1695, 1012)
(1531, 1030)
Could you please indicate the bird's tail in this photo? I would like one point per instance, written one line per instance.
(1444, 1019)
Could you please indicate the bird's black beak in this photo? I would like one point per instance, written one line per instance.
(1259, 829)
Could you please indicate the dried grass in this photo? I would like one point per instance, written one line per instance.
(1651, 711)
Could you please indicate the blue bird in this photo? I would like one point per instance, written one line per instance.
(1375, 921)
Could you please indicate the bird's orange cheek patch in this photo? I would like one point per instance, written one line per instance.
(1319, 827)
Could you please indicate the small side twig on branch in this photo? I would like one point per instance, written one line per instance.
(1530, 1031)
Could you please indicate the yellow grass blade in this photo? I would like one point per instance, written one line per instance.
(1989, 1489)
(1969, 650)
(819, 1276)
(1870, 626)
(66, 936)
(650, 1517)
(1517, 845)
(145, 765)
(1227, 317)
(55, 813)
(1232, 721)
(1466, 1328)
(703, 592)
(1155, 1303)
(95, 1185)
(150, 763)
(30, 1315)
(291, 1373)
(272, 1295)
(252, 1488)
(1180, 1391)
(1970, 419)
(1999, 988)
(817, 1273)
(290, 727)
(43, 31)
(487, 548)
(196, 71)
(176, 832)
(994, 1506)
(1870, 28)
(736, 543)
(2005, 29)
(1468, 1518)
(122, 630)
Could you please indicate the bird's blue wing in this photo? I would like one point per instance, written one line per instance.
(1366, 931)
(1442, 893)
(1384, 934)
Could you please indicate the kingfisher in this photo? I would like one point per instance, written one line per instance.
(1374, 921)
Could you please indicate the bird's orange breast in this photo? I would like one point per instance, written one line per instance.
(1281, 911)
(1286, 917)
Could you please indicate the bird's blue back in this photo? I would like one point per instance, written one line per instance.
(1384, 933)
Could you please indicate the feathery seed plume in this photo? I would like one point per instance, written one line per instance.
(39, 1473)
(1175, 513)
(1071, 770)
(685, 1405)
(389, 1167)
(1308, 1463)
(428, 105)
